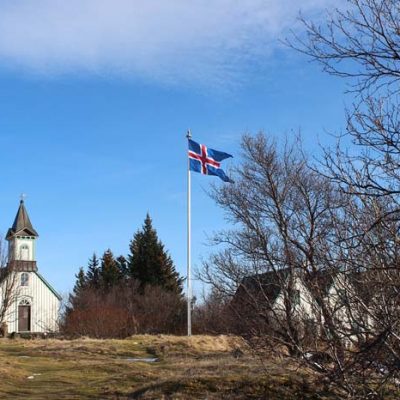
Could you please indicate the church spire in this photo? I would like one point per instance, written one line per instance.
(21, 242)
(22, 225)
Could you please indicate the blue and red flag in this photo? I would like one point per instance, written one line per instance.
(207, 161)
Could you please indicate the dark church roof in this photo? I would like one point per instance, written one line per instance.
(22, 224)
(265, 286)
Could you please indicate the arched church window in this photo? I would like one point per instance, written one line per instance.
(24, 302)
(24, 252)
(24, 280)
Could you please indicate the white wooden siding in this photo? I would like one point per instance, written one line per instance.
(304, 308)
(44, 305)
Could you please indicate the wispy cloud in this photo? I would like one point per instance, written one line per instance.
(169, 41)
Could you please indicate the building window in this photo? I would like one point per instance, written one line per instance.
(296, 297)
(24, 279)
(24, 252)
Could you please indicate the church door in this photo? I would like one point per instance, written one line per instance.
(24, 318)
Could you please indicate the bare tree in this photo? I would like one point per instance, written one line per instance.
(337, 223)
(298, 273)
(362, 43)
(283, 213)
(8, 287)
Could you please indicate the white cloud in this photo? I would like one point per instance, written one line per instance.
(170, 41)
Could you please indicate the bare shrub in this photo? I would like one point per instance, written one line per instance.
(160, 311)
(125, 310)
(99, 316)
(213, 315)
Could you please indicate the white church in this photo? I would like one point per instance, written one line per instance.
(28, 303)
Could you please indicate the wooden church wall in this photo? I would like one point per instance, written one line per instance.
(44, 305)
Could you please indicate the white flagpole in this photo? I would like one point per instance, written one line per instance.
(189, 277)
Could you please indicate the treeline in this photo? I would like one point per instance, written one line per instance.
(120, 296)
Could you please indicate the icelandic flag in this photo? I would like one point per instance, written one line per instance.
(207, 161)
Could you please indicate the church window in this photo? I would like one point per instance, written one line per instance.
(24, 302)
(24, 252)
(24, 279)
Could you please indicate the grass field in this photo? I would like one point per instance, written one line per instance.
(200, 367)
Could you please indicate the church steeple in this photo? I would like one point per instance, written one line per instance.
(21, 238)
(22, 225)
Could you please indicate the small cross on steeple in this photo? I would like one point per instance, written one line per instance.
(23, 197)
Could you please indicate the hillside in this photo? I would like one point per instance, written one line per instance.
(185, 368)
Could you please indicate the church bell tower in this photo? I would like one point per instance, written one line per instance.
(21, 239)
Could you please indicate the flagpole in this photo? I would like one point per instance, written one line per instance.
(189, 249)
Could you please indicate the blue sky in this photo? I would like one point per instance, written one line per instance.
(96, 97)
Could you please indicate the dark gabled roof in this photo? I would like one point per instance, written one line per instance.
(22, 224)
(267, 285)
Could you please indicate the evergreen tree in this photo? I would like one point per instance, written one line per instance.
(77, 291)
(80, 283)
(110, 273)
(93, 272)
(123, 267)
(150, 263)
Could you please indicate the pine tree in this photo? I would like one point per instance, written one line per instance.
(150, 263)
(123, 267)
(93, 272)
(80, 283)
(77, 291)
(110, 273)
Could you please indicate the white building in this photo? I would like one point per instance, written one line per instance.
(28, 301)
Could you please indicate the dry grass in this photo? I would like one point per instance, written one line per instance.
(200, 367)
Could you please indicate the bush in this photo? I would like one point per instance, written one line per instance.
(125, 310)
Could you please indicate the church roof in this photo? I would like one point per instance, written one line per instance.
(261, 287)
(22, 224)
